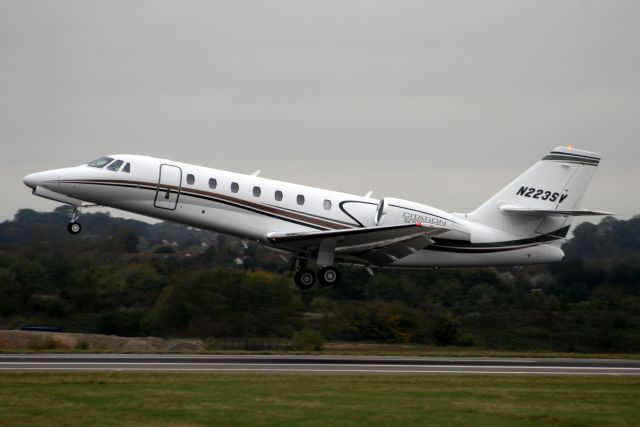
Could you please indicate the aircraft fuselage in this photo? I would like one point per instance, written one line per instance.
(251, 207)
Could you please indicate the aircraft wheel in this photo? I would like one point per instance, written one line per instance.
(328, 276)
(74, 227)
(305, 279)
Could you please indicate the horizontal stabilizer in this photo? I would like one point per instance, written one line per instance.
(517, 210)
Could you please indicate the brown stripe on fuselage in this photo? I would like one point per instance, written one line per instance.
(259, 206)
(274, 210)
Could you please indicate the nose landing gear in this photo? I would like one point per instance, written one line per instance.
(74, 226)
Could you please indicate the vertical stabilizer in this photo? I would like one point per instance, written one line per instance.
(555, 183)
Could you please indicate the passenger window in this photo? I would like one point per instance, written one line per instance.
(257, 191)
(127, 168)
(327, 204)
(234, 187)
(278, 195)
(213, 183)
(115, 165)
(190, 179)
(300, 199)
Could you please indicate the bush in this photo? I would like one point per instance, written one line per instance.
(164, 250)
(82, 344)
(125, 322)
(444, 330)
(308, 340)
(44, 343)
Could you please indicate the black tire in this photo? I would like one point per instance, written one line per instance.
(305, 279)
(74, 227)
(328, 276)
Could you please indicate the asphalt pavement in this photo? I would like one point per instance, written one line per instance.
(316, 364)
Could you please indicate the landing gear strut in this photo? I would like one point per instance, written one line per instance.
(74, 226)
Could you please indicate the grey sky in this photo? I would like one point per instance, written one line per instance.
(437, 102)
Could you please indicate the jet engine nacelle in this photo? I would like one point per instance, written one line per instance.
(391, 211)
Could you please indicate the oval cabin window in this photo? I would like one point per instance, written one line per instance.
(190, 179)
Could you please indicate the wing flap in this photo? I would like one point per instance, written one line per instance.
(379, 245)
(362, 246)
(392, 252)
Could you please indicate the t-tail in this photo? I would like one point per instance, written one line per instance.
(543, 200)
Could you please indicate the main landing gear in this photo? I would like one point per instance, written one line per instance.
(306, 278)
(74, 226)
(328, 276)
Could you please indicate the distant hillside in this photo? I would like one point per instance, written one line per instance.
(130, 278)
(610, 238)
(49, 228)
(103, 234)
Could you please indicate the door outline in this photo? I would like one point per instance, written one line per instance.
(166, 190)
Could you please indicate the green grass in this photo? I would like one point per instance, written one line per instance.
(168, 399)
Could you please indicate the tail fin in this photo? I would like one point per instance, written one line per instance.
(545, 198)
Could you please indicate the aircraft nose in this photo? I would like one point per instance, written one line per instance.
(31, 180)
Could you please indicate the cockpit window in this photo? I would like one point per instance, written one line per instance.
(127, 168)
(101, 162)
(115, 165)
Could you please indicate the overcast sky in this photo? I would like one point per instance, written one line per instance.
(438, 102)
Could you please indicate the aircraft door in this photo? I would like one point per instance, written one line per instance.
(168, 192)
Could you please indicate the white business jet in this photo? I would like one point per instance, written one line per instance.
(524, 223)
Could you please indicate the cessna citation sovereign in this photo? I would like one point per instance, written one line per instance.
(524, 223)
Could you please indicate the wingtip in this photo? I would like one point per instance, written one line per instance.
(272, 237)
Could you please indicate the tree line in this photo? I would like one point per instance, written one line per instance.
(130, 278)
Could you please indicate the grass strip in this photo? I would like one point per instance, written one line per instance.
(185, 399)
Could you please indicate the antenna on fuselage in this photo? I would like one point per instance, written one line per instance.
(256, 173)
(369, 193)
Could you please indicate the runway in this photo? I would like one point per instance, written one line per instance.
(316, 364)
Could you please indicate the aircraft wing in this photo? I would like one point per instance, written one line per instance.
(375, 245)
